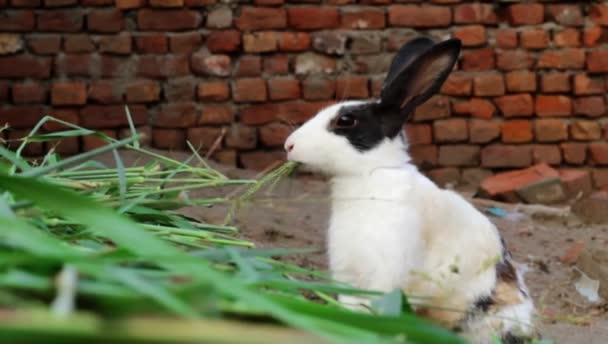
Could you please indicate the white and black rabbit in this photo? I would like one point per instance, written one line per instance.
(391, 227)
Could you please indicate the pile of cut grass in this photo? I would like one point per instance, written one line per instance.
(97, 253)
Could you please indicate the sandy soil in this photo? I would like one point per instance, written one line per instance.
(294, 214)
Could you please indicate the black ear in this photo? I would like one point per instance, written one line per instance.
(415, 82)
(406, 55)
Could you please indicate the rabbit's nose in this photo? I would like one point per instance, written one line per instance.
(289, 147)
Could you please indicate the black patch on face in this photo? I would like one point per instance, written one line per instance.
(505, 272)
(483, 304)
(360, 124)
(510, 338)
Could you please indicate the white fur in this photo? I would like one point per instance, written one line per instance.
(391, 227)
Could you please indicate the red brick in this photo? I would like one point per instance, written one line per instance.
(490, 84)
(111, 116)
(521, 81)
(568, 15)
(550, 130)
(216, 114)
(65, 147)
(457, 85)
(269, 2)
(105, 92)
(96, 2)
(597, 61)
(598, 152)
(567, 38)
(144, 132)
(172, 139)
(150, 66)
(168, 20)
(20, 117)
(598, 13)
(472, 35)
(419, 16)
(80, 43)
(204, 138)
(215, 65)
(526, 14)
(199, 3)
(478, 59)
(249, 90)
(585, 130)
(180, 89)
(459, 155)
(60, 21)
(259, 42)
(514, 59)
(555, 82)
(29, 93)
(498, 155)
(567, 58)
(177, 115)
(105, 21)
(444, 176)
(213, 90)
(417, 134)
(504, 183)
(318, 89)
(223, 41)
(185, 43)
(366, 18)
(292, 112)
(516, 105)
(352, 87)
(600, 178)
(152, 44)
(274, 134)
(534, 39)
(261, 160)
(69, 115)
(434, 108)
(23, 3)
(166, 3)
(44, 45)
(249, 65)
(312, 18)
(4, 91)
(506, 38)
(585, 85)
(261, 18)
(424, 156)
(590, 106)
(143, 91)
(575, 250)
(476, 108)
(129, 4)
(33, 149)
(283, 89)
(242, 137)
(574, 153)
(23, 66)
(516, 131)
(68, 93)
(17, 21)
(115, 67)
(475, 13)
(85, 65)
(450, 130)
(276, 64)
(115, 44)
(592, 36)
(294, 41)
(553, 105)
(548, 154)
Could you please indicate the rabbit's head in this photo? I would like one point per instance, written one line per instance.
(353, 137)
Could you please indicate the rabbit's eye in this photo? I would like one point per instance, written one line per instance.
(346, 121)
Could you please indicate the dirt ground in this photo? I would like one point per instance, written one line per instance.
(294, 214)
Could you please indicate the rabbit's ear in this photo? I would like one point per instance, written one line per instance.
(406, 55)
(416, 81)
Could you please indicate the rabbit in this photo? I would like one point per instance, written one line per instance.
(392, 228)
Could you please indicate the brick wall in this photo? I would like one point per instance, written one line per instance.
(530, 84)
